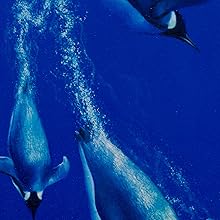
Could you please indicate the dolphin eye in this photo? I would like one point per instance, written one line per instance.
(27, 195)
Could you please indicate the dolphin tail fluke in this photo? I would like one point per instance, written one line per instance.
(59, 172)
(7, 166)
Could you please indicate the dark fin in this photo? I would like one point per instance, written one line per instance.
(179, 31)
(33, 213)
(59, 172)
(7, 167)
(83, 134)
(33, 203)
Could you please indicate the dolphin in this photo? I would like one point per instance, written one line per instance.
(29, 164)
(117, 188)
(163, 15)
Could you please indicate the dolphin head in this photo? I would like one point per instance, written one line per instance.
(82, 135)
(179, 31)
(33, 200)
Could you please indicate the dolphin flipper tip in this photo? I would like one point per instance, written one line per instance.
(65, 165)
(60, 172)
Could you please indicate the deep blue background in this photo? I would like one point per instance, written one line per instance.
(155, 90)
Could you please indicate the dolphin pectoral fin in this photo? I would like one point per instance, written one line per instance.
(7, 166)
(59, 172)
(90, 186)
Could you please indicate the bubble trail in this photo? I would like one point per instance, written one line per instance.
(25, 18)
(71, 52)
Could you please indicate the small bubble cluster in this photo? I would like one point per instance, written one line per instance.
(71, 53)
(25, 17)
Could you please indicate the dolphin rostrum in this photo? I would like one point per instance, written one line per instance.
(117, 189)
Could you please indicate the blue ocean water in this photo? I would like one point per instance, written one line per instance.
(156, 97)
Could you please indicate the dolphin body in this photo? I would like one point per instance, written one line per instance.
(117, 189)
(29, 164)
(163, 15)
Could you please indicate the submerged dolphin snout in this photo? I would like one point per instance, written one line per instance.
(82, 135)
(33, 203)
(179, 31)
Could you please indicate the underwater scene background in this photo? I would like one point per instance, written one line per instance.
(156, 98)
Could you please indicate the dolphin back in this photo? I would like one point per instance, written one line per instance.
(121, 190)
(59, 172)
(27, 142)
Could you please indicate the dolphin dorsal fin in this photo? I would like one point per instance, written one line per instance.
(59, 172)
(7, 167)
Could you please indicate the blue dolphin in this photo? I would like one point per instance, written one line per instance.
(117, 189)
(29, 164)
(163, 15)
